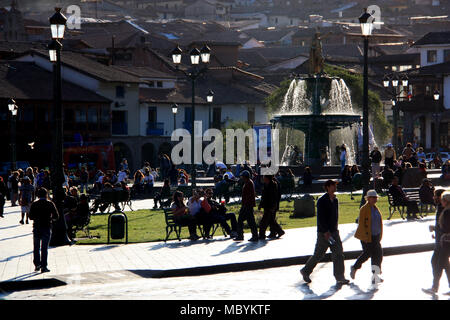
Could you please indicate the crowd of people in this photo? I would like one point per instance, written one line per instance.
(202, 210)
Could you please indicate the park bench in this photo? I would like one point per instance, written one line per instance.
(412, 194)
(172, 226)
(105, 201)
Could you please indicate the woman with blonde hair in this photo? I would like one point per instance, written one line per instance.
(370, 231)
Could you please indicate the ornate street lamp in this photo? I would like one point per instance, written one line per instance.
(366, 21)
(196, 56)
(57, 26)
(436, 97)
(12, 107)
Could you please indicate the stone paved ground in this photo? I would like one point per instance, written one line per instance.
(401, 282)
(16, 249)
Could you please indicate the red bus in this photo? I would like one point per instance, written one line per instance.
(92, 155)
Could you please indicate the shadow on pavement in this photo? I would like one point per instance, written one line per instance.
(12, 286)
(9, 227)
(15, 237)
(361, 294)
(188, 243)
(18, 256)
(104, 248)
(311, 295)
(24, 276)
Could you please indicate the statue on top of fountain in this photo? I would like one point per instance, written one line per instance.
(316, 60)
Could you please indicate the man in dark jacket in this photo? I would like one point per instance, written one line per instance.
(270, 201)
(246, 213)
(327, 235)
(43, 212)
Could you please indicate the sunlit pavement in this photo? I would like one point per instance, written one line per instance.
(107, 271)
(404, 277)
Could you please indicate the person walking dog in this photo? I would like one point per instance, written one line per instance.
(327, 236)
(370, 231)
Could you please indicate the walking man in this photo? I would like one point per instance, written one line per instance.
(43, 212)
(327, 235)
(246, 212)
(270, 201)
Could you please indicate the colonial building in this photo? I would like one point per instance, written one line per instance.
(422, 113)
(86, 113)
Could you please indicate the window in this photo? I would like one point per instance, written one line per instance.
(446, 55)
(119, 122)
(152, 114)
(92, 118)
(69, 119)
(431, 56)
(80, 118)
(159, 84)
(27, 114)
(104, 119)
(120, 92)
(151, 84)
(251, 115)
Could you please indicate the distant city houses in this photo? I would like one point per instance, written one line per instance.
(120, 83)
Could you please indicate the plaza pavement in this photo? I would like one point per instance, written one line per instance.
(105, 263)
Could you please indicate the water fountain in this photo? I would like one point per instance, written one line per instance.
(317, 105)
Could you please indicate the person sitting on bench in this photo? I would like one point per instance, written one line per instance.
(182, 216)
(217, 213)
(78, 216)
(400, 199)
(426, 192)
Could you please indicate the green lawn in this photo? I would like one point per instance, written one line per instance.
(149, 225)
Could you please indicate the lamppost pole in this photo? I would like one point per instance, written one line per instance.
(436, 123)
(193, 171)
(174, 111)
(392, 85)
(395, 118)
(58, 24)
(209, 99)
(13, 142)
(13, 109)
(196, 55)
(366, 21)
